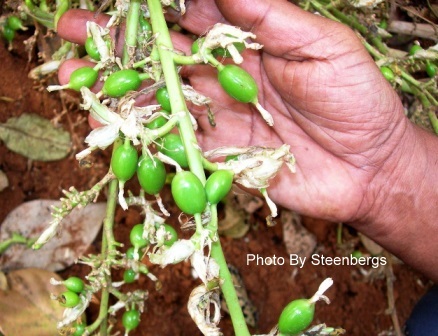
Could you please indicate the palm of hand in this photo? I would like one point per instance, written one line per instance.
(315, 111)
(328, 101)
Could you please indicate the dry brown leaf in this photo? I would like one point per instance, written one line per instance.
(297, 239)
(372, 247)
(77, 232)
(26, 307)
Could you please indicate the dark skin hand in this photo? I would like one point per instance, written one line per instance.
(359, 159)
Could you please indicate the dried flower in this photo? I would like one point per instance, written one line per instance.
(254, 166)
(129, 122)
(72, 314)
(224, 36)
(179, 251)
(97, 33)
(200, 303)
(205, 267)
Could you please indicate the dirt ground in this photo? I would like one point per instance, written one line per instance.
(358, 304)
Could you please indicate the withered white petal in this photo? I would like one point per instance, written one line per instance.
(130, 128)
(194, 96)
(205, 267)
(255, 166)
(97, 32)
(104, 136)
(179, 251)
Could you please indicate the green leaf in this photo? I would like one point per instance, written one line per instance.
(35, 138)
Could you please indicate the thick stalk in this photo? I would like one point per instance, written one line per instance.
(177, 102)
(227, 286)
(229, 292)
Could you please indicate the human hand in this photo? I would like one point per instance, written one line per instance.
(327, 97)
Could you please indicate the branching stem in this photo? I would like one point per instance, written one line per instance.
(177, 102)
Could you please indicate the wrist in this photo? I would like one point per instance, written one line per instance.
(403, 197)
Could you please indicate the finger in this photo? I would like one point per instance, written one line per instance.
(68, 66)
(73, 24)
(73, 27)
(199, 16)
(285, 30)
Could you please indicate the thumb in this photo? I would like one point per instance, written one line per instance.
(286, 30)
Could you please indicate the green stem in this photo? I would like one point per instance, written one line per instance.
(183, 59)
(355, 24)
(108, 242)
(214, 62)
(433, 120)
(62, 51)
(42, 17)
(132, 21)
(339, 234)
(61, 8)
(103, 314)
(323, 11)
(428, 106)
(371, 50)
(210, 166)
(118, 294)
(229, 292)
(420, 86)
(177, 102)
(352, 22)
(141, 63)
(15, 239)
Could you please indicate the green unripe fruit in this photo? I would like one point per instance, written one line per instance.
(196, 44)
(15, 23)
(414, 49)
(383, 24)
(131, 319)
(223, 52)
(431, 69)
(91, 49)
(230, 157)
(124, 162)
(171, 145)
(79, 329)
(173, 235)
(387, 73)
(151, 174)
(356, 254)
(74, 284)
(8, 33)
(81, 77)
(158, 122)
(296, 317)
(238, 83)
(130, 253)
(136, 237)
(188, 193)
(120, 82)
(218, 185)
(129, 276)
(145, 27)
(70, 299)
(162, 96)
